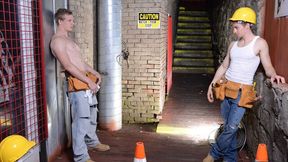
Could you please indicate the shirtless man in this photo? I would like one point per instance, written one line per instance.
(84, 112)
(239, 67)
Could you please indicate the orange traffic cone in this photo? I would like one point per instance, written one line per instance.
(140, 152)
(261, 154)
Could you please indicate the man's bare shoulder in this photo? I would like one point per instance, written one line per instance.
(56, 40)
(261, 44)
(58, 45)
(261, 41)
(62, 41)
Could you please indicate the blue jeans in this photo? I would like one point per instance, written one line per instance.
(226, 143)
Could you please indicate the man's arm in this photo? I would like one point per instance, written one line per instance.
(266, 61)
(58, 46)
(219, 73)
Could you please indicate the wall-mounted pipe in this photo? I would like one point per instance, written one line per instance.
(109, 44)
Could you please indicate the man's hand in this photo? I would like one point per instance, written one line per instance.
(210, 96)
(95, 73)
(99, 78)
(93, 87)
(257, 98)
(278, 79)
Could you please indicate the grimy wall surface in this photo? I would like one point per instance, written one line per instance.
(266, 122)
(144, 73)
(84, 29)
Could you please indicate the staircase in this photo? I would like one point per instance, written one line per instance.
(193, 48)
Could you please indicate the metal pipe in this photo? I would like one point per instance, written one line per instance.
(110, 95)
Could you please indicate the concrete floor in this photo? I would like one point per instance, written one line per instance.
(181, 136)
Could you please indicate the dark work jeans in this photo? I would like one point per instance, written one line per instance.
(226, 143)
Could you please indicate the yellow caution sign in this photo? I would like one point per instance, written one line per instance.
(149, 21)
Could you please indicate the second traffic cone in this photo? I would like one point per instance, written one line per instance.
(140, 152)
(261, 154)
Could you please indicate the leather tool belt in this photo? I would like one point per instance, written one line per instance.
(225, 88)
(75, 84)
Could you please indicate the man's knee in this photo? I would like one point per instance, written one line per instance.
(231, 128)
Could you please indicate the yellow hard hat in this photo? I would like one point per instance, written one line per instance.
(245, 14)
(14, 147)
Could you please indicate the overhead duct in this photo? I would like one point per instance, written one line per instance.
(109, 44)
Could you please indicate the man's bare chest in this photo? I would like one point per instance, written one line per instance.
(72, 48)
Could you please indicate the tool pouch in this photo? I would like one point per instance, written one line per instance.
(75, 84)
(218, 89)
(248, 96)
(225, 88)
(232, 89)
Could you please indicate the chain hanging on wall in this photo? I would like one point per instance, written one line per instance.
(124, 55)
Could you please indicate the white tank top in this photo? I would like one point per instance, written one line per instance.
(243, 63)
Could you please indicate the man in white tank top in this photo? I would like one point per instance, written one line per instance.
(239, 67)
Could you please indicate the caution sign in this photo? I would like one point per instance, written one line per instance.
(149, 21)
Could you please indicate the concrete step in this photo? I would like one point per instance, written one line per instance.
(193, 38)
(183, 25)
(193, 19)
(193, 53)
(194, 70)
(198, 62)
(193, 31)
(181, 8)
(193, 46)
(193, 13)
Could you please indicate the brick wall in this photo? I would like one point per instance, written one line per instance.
(144, 79)
(84, 29)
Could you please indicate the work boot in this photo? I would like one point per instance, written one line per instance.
(89, 160)
(208, 158)
(100, 147)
